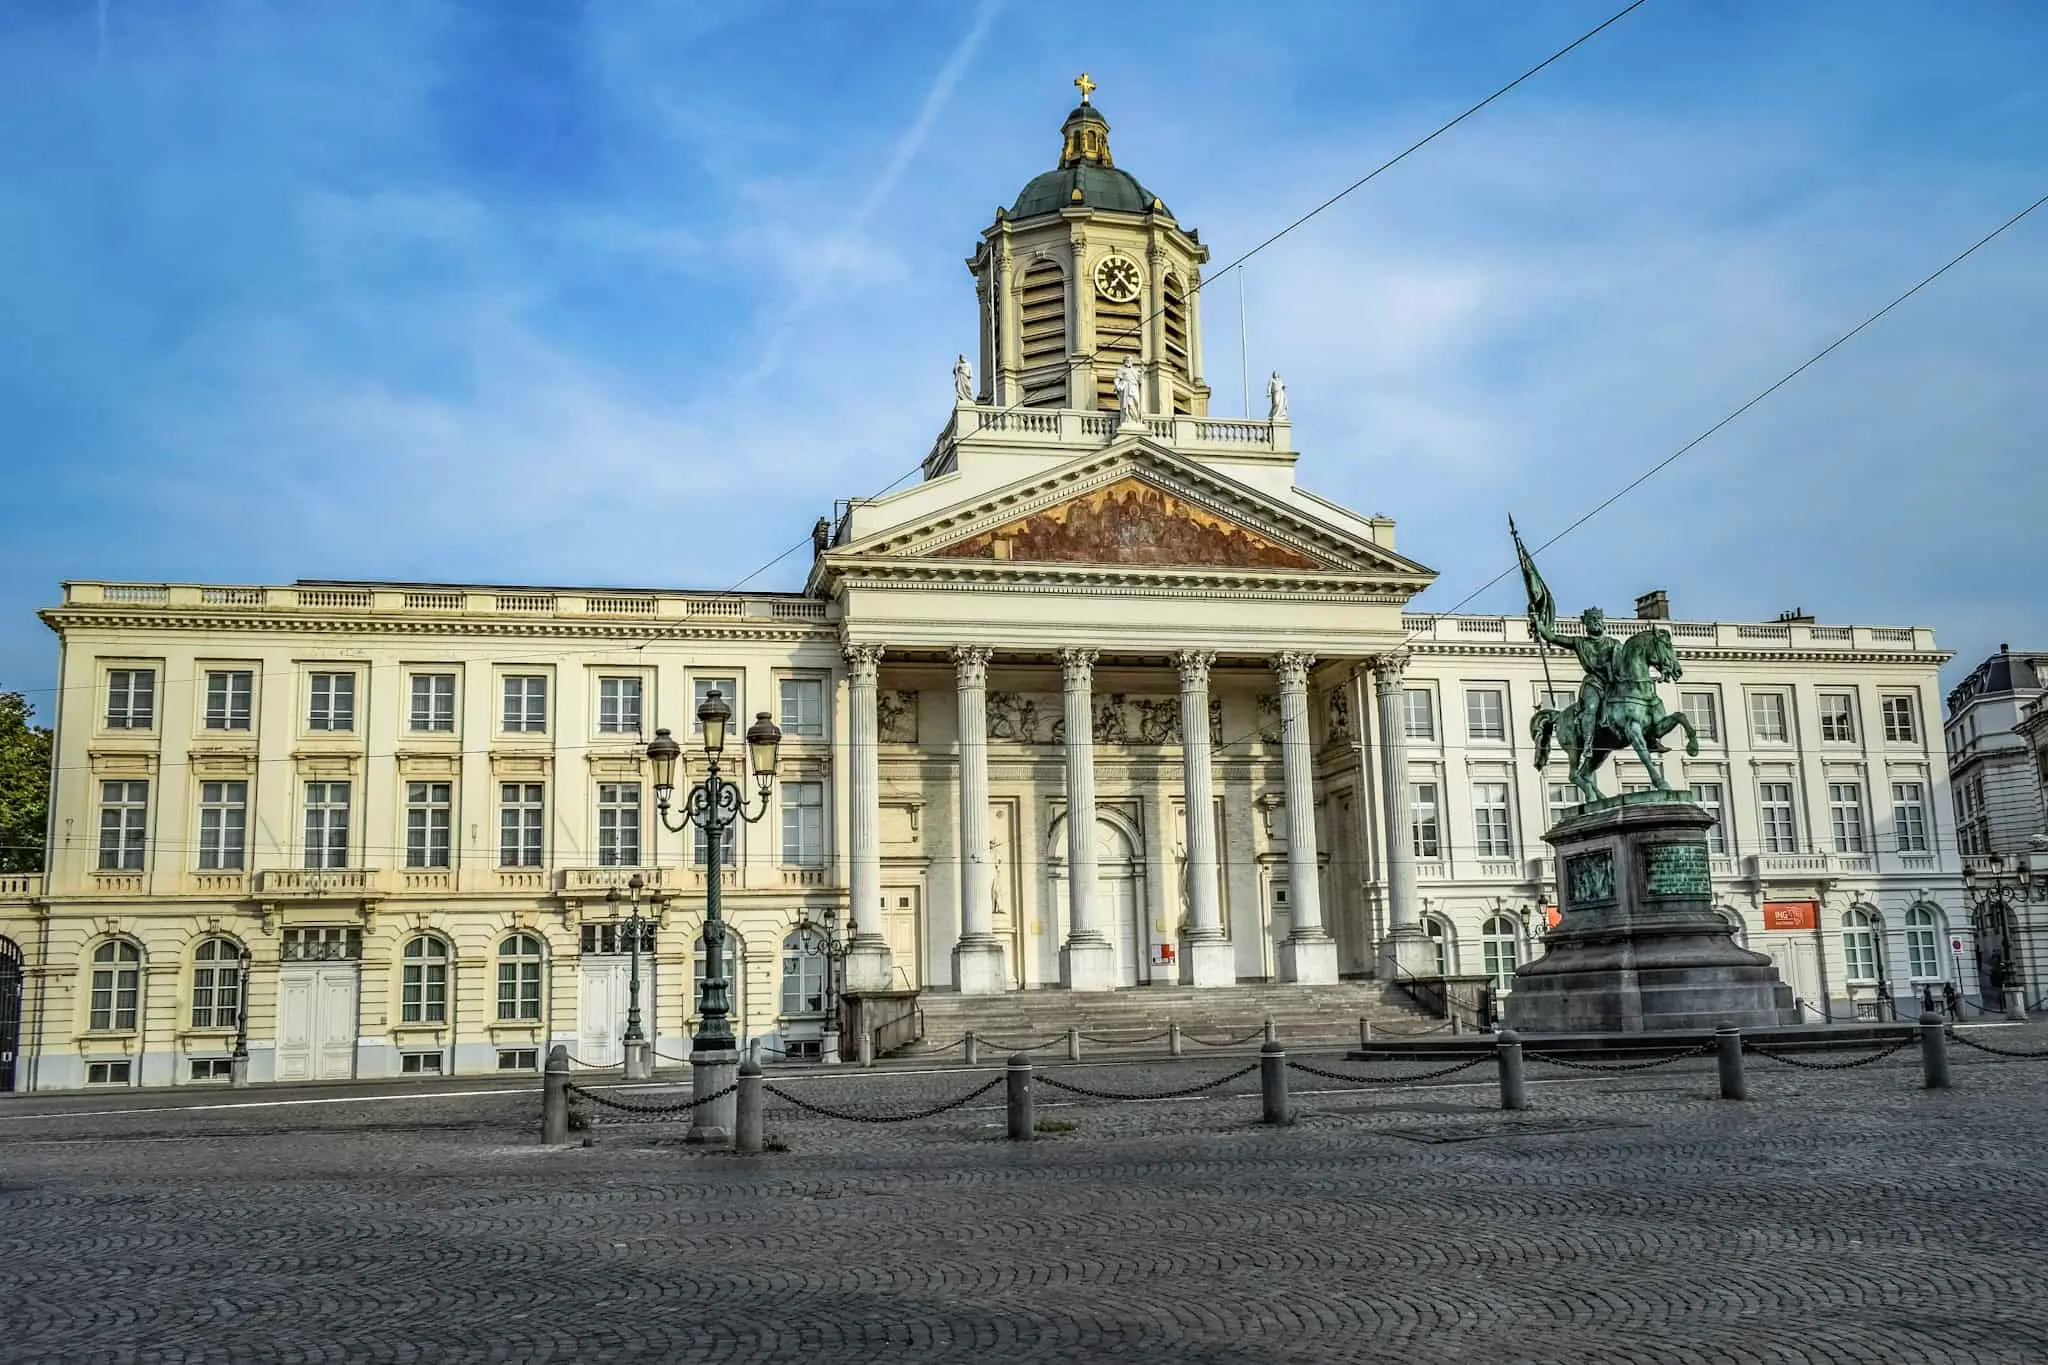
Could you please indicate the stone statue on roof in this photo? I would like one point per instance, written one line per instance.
(1276, 398)
(963, 381)
(1130, 392)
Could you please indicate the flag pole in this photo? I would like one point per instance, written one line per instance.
(1542, 647)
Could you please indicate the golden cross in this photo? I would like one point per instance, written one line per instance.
(1087, 86)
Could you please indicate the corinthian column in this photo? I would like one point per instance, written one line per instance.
(1404, 950)
(868, 967)
(978, 957)
(1309, 954)
(1205, 955)
(1088, 958)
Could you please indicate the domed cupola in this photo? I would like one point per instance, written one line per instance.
(1086, 270)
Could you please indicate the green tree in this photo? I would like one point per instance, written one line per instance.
(24, 786)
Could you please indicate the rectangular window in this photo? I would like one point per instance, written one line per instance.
(228, 696)
(333, 704)
(106, 1073)
(216, 986)
(1418, 713)
(521, 811)
(1909, 816)
(803, 707)
(803, 824)
(433, 704)
(1845, 815)
(124, 822)
(419, 1063)
(618, 706)
(429, 816)
(131, 699)
(618, 824)
(1557, 699)
(728, 853)
(1559, 797)
(223, 825)
(729, 690)
(327, 806)
(1422, 821)
(1490, 835)
(526, 704)
(116, 988)
(1900, 726)
(213, 1069)
(1703, 709)
(1709, 796)
(1838, 717)
(1767, 723)
(518, 1058)
(1485, 716)
(1774, 810)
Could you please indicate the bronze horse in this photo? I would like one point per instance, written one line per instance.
(1631, 715)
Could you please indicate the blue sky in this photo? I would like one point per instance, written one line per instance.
(514, 291)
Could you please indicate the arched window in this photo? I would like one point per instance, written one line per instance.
(803, 973)
(424, 997)
(1439, 939)
(1859, 947)
(1042, 335)
(519, 977)
(217, 984)
(116, 985)
(1923, 943)
(735, 974)
(1498, 945)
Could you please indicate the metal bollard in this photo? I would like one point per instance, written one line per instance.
(1514, 1093)
(1934, 1051)
(1728, 1040)
(1273, 1083)
(754, 1051)
(746, 1123)
(554, 1098)
(970, 1049)
(1457, 1025)
(1073, 1045)
(1173, 1044)
(1272, 1034)
(867, 1047)
(2016, 1004)
(1017, 1093)
(1364, 1031)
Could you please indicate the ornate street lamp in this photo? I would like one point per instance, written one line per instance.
(834, 949)
(238, 1064)
(639, 1052)
(1994, 890)
(713, 806)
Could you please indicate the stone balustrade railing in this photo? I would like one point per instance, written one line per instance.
(1688, 635)
(400, 600)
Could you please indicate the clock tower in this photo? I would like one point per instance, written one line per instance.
(1088, 269)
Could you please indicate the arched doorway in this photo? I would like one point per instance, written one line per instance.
(1119, 896)
(11, 976)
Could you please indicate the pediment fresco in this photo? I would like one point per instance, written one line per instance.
(1129, 522)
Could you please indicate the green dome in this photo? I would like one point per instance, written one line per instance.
(1101, 187)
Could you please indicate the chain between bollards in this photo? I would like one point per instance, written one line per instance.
(1017, 1098)
(1514, 1091)
(746, 1123)
(1728, 1043)
(1934, 1051)
(1273, 1084)
(554, 1098)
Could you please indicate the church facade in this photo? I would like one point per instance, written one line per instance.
(1107, 701)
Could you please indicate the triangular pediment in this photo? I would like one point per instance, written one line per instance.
(1137, 507)
(1130, 522)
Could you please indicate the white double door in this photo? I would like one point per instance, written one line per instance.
(316, 1021)
(1116, 910)
(606, 998)
(1798, 964)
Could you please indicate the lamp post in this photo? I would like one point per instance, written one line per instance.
(238, 1064)
(639, 1051)
(713, 806)
(835, 949)
(1993, 891)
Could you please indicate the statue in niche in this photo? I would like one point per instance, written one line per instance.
(896, 717)
(1340, 714)
(1276, 399)
(963, 381)
(1130, 392)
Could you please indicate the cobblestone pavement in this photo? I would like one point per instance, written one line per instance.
(1836, 1217)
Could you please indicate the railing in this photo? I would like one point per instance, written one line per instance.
(620, 606)
(418, 879)
(125, 592)
(602, 879)
(522, 879)
(1887, 635)
(899, 1033)
(972, 422)
(351, 598)
(715, 606)
(797, 611)
(804, 876)
(436, 601)
(396, 598)
(25, 886)
(118, 883)
(296, 881)
(525, 601)
(231, 597)
(1692, 635)
(1767, 863)
(890, 1018)
(220, 883)
(1482, 625)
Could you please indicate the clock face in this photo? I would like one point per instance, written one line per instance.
(1117, 278)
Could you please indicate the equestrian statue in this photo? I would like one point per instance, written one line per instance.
(1618, 706)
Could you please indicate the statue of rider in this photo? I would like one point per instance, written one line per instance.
(1598, 653)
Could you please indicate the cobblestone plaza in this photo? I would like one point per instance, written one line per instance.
(1837, 1216)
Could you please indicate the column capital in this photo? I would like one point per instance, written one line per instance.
(864, 657)
(1077, 666)
(1292, 665)
(1388, 670)
(1194, 667)
(971, 662)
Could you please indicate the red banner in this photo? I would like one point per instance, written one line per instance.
(1791, 914)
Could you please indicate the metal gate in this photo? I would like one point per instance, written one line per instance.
(10, 1012)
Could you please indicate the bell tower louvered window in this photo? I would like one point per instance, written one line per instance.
(1042, 335)
(1174, 313)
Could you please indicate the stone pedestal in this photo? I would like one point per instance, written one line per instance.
(978, 965)
(1308, 961)
(639, 1060)
(1207, 962)
(710, 1072)
(1639, 947)
(1088, 965)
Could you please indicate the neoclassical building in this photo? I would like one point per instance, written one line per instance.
(1107, 701)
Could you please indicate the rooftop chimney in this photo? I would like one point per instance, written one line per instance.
(1799, 616)
(1654, 605)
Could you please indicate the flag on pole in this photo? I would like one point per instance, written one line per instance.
(1542, 606)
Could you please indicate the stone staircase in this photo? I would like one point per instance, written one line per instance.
(1117, 1022)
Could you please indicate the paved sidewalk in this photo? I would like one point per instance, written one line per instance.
(1838, 1216)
